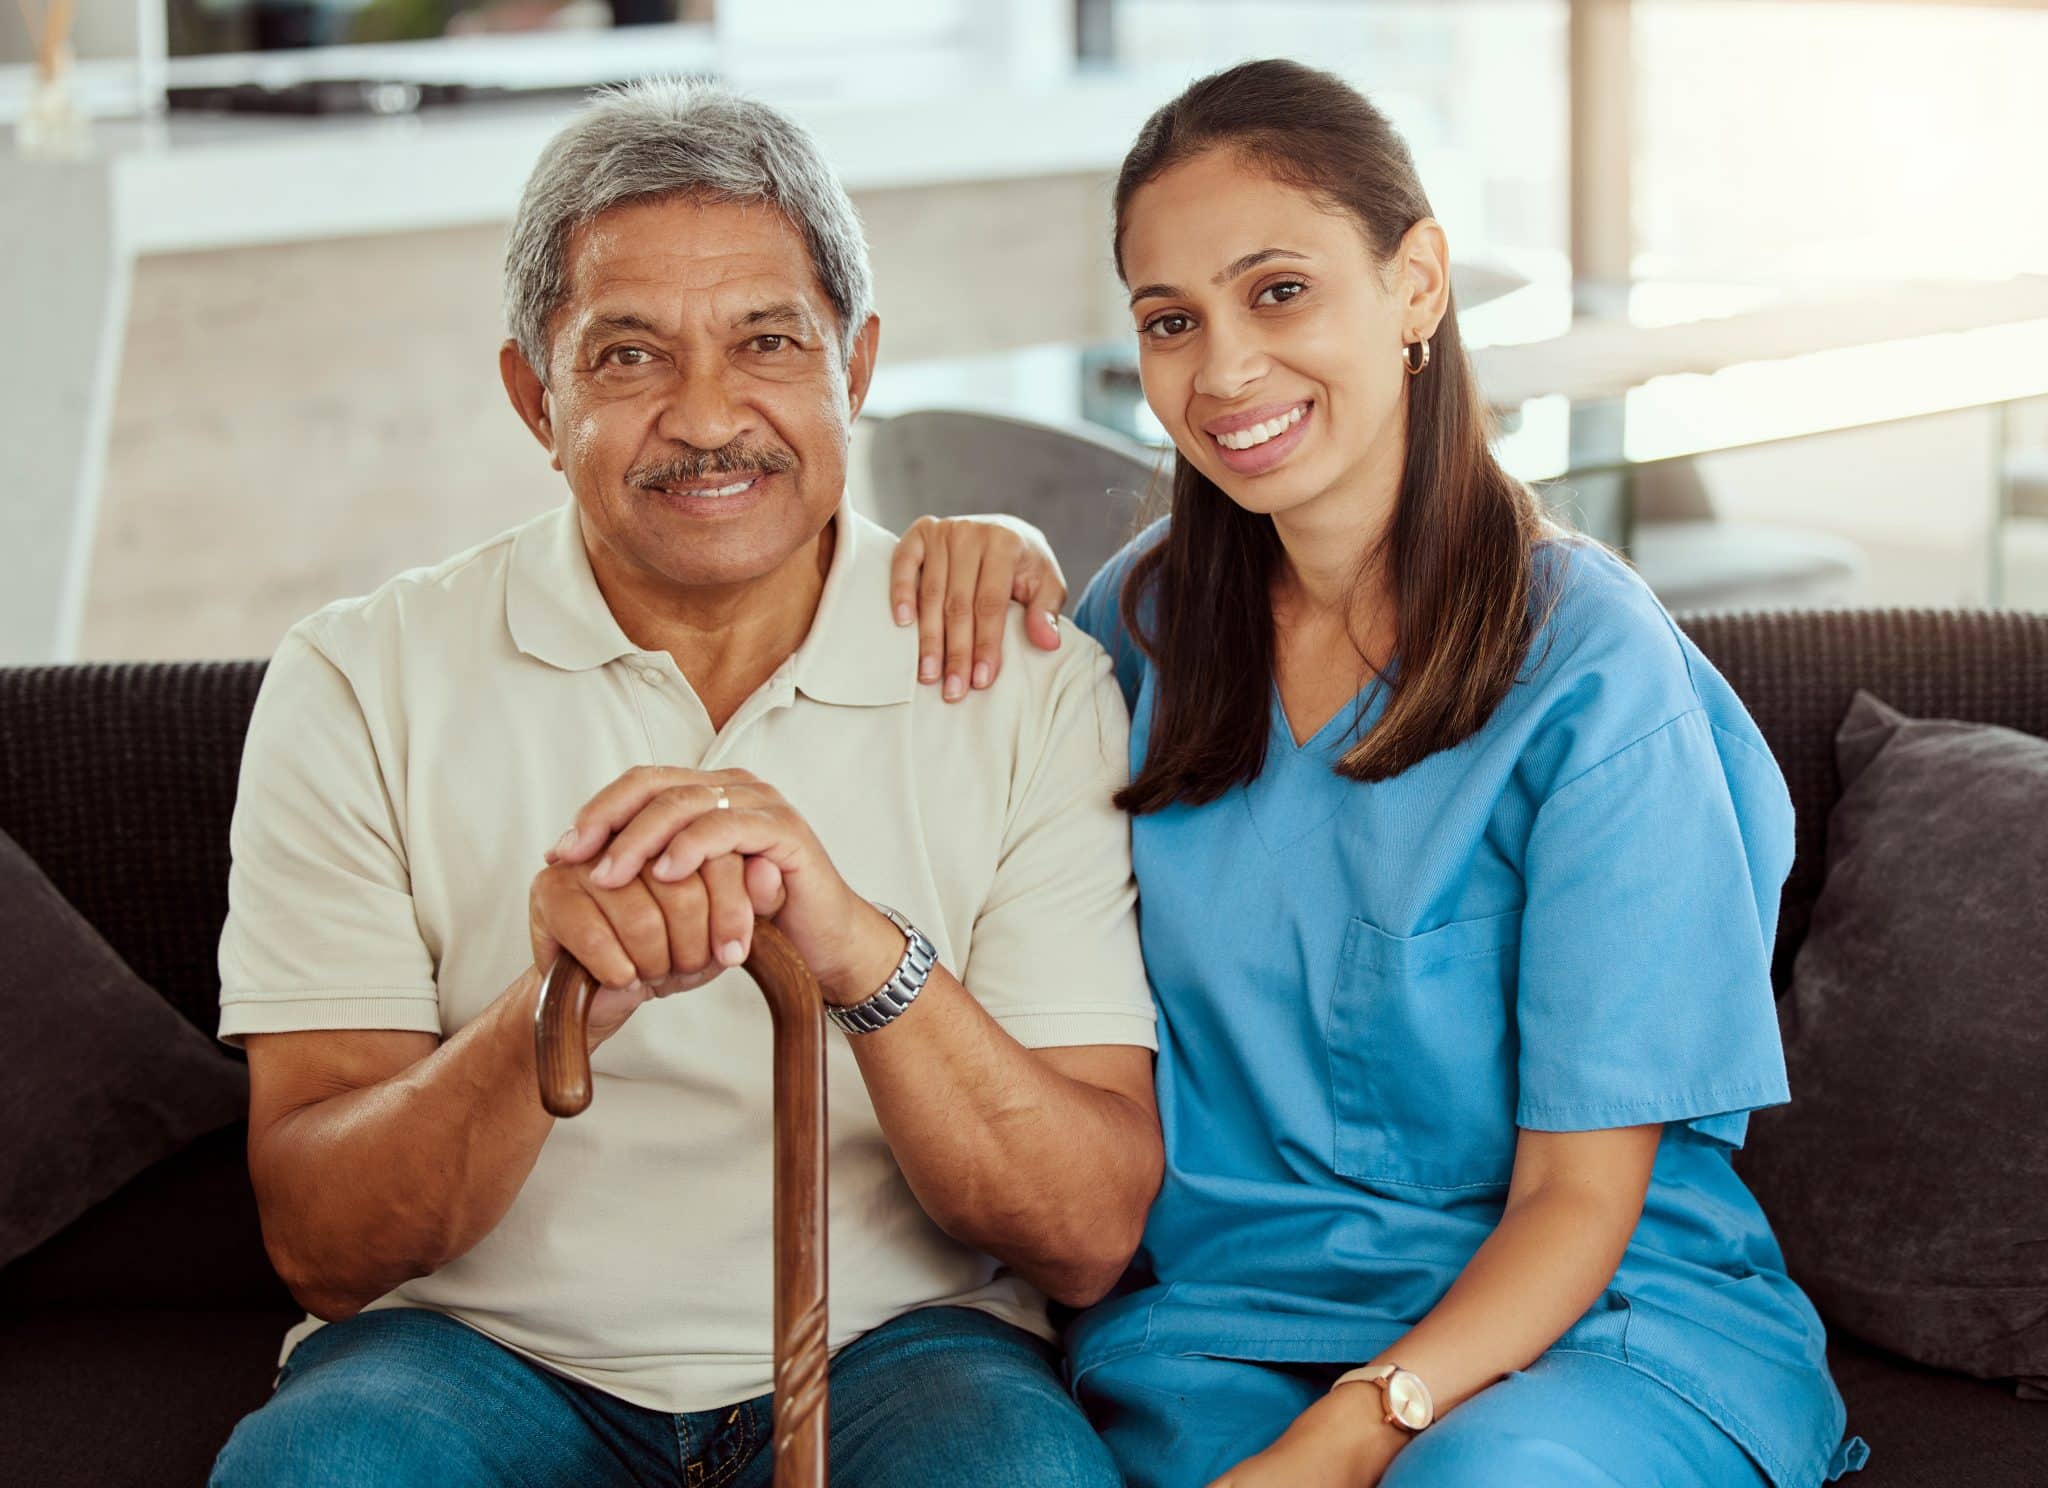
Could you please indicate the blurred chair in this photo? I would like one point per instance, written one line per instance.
(2023, 535)
(1694, 561)
(1083, 487)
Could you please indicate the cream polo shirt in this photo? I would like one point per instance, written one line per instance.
(414, 752)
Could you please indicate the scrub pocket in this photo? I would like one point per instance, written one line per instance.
(1422, 1054)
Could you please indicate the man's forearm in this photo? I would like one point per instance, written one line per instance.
(377, 1185)
(1046, 1172)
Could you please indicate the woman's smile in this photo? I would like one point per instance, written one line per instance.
(1257, 441)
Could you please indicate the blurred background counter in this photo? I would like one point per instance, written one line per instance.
(1751, 285)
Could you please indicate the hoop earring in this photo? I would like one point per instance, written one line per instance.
(1415, 367)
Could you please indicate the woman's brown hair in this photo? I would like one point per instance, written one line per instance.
(1458, 552)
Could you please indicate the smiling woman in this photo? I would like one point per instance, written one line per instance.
(1249, 349)
(1460, 871)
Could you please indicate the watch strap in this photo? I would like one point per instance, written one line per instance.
(1382, 1376)
(899, 991)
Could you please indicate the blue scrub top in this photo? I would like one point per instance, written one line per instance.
(1562, 924)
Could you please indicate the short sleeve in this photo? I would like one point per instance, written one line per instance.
(321, 931)
(1100, 613)
(1651, 885)
(1054, 956)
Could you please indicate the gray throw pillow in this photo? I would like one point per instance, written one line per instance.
(105, 1077)
(1908, 1179)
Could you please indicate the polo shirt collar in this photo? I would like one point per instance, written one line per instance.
(553, 606)
(855, 654)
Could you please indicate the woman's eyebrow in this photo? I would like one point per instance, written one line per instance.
(1229, 272)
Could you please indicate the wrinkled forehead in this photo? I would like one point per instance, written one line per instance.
(684, 259)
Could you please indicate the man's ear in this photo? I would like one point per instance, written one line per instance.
(530, 397)
(860, 367)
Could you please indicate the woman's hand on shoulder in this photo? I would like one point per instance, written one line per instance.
(955, 579)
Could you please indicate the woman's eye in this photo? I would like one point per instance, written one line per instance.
(1281, 293)
(1160, 327)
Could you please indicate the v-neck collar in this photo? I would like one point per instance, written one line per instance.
(1274, 801)
(1373, 694)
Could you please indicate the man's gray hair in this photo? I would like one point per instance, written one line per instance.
(665, 138)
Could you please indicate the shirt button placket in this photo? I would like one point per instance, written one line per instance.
(677, 731)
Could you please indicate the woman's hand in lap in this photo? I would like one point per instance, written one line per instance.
(1342, 1441)
(955, 578)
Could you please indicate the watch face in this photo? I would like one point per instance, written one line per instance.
(1408, 1399)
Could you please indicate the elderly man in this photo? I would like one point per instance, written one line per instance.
(681, 699)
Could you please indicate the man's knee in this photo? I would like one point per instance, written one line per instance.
(983, 1437)
(389, 1398)
(313, 1437)
(958, 1399)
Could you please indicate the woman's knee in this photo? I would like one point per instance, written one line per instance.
(1441, 1458)
(1573, 1421)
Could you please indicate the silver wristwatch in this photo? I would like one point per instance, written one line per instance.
(899, 992)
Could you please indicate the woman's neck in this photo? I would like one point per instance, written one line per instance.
(1331, 575)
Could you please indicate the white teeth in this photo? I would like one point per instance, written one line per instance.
(732, 490)
(1258, 434)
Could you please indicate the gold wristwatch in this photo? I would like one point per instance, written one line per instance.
(1404, 1398)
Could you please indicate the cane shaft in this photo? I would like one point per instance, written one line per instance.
(797, 1011)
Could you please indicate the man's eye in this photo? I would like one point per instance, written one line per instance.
(770, 342)
(627, 356)
(1161, 327)
(1281, 293)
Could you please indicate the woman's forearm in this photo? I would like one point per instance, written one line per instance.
(1573, 1204)
(1569, 1216)
(1552, 1254)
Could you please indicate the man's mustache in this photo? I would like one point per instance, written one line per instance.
(736, 458)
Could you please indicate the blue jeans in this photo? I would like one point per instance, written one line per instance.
(404, 1396)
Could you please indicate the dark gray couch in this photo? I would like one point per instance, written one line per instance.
(131, 1343)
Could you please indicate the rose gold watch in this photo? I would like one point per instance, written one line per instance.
(1404, 1399)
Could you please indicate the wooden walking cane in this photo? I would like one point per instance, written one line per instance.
(797, 1010)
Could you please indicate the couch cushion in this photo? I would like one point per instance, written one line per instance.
(130, 1399)
(119, 780)
(1798, 673)
(106, 1077)
(1928, 1427)
(1908, 1182)
(182, 1236)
